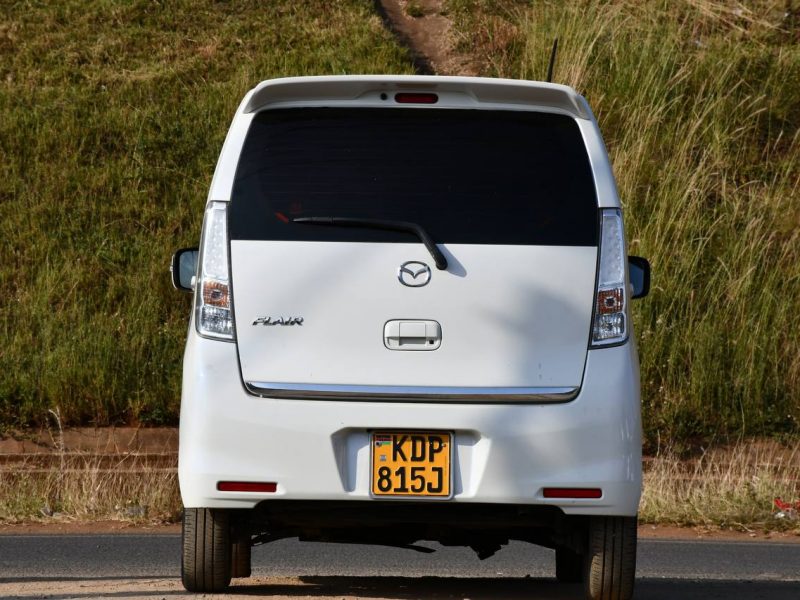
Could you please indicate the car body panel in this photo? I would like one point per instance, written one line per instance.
(319, 450)
(510, 316)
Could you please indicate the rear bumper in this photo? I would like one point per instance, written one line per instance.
(319, 449)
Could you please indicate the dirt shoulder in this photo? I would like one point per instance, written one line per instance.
(669, 532)
(88, 528)
(89, 440)
(657, 532)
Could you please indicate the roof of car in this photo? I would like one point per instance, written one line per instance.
(463, 92)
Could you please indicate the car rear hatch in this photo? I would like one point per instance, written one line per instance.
(363, 312)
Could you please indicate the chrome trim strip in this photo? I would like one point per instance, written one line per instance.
(410, 393)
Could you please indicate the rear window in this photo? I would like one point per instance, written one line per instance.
(466, 176)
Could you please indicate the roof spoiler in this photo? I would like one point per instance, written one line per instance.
(480, 90)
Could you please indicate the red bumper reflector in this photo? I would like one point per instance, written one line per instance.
(246, 486)
(407, 98)
(572, 493)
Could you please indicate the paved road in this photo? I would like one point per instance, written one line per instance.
(667, 569)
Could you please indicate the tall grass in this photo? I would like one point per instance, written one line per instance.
(699, 102)
(733, 487)
(89, 487)
(113, 114)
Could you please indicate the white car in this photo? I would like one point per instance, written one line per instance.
(412, 322)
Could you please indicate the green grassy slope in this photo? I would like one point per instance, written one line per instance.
(699, 102)
(112, 116)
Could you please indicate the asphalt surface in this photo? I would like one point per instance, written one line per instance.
(666, 569)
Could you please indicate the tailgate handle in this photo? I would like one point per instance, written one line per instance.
(408, 334)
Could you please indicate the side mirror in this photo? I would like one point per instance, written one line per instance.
(639, 272)
(184, 268)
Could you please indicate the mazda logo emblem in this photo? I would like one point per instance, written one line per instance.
(414, 273)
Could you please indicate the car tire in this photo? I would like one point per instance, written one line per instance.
(207, 550)
(610, 563)
(240, 557)
(569, 566)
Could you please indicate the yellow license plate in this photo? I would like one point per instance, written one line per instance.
(411, 463)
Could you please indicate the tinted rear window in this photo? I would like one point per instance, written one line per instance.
(466, 176)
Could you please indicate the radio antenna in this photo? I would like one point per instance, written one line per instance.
(552, 61)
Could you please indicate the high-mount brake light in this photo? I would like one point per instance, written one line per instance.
(611, 301)
(268, 487)
(213, 300)
(582, 493)
(415, 98)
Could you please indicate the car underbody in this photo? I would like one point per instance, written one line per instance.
(483, 527)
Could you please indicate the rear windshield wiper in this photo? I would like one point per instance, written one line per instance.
(438, 257)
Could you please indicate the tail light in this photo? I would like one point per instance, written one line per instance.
(213, 298)
(610, 313)
(415, 98)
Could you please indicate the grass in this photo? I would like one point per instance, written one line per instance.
(85, 486)
(730, 487)
(414, 9)
(113, 117)
(89, 487)
(699, 103)
(114, 112)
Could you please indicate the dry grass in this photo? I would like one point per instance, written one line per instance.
(85, 486)
(90, 487)
(732, 487)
